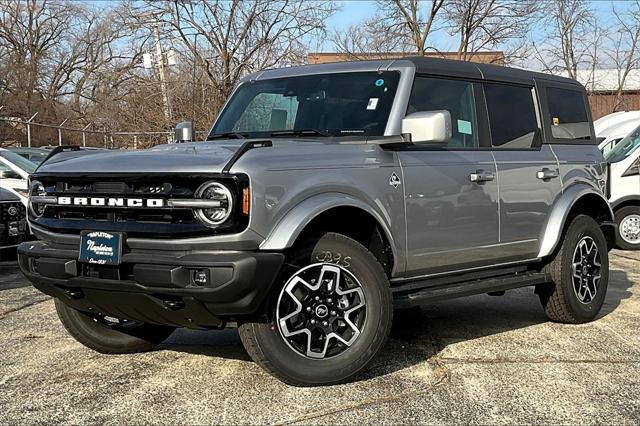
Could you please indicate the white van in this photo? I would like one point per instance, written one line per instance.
(624, 197)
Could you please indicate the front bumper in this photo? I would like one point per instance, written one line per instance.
(155, 287)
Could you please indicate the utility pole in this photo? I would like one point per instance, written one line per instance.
(160, 64)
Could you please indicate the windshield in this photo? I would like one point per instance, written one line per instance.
(35, 157)
(625, 147)
(339, 104)
(18, 161)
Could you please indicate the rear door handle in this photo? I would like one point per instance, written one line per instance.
(546, 174)
(481, 176)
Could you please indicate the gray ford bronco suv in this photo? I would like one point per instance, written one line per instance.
(323, 197)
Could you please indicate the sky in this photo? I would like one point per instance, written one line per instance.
(355, 11)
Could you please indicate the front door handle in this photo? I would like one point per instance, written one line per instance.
(546, 174)
(480, 176)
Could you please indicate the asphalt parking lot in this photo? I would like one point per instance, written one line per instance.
(481, 359)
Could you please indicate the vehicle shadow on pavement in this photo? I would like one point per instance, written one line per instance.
(421, 333)
(215, 343)
(618, 290)
(11, 277)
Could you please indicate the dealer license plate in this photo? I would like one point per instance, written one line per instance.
(100, 247)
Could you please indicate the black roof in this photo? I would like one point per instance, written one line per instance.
(450, 67)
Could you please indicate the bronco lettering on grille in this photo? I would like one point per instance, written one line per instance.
(111, 202)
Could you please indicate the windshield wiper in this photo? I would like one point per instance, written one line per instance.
(234, 135)
(300, 132)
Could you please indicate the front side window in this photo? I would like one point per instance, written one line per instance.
(339, 104)
(512, 115)
(625, 147)
(567, 114)
(436, 94)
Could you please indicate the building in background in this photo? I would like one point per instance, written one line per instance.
(323, 58)
(605, 94)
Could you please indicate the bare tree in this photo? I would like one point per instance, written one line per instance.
(399, 25)
(231, 39)
(405, 15)
(31, 32)
(368, 41)
(624, 53)
(488, 24)
(572, 37)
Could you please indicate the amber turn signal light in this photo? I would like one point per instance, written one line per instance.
(246, 194)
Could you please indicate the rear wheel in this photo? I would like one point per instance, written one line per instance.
(329, 317)
(579, 273)
(109, 335)
(628, 220)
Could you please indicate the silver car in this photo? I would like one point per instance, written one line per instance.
(324, 197)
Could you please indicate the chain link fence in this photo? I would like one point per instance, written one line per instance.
(89, 135)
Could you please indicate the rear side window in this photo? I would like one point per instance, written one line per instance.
(455, 96)
(567, 114)
(512, 115)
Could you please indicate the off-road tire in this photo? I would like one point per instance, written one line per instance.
(620, 215)
(266, 346)
(110, 339)
(558, 298)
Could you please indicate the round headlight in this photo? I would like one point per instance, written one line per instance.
(36, 190)
(217, 215)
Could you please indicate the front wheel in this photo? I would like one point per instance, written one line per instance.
(579, 272)
(628, 220)
(327, 320)
(109, 335)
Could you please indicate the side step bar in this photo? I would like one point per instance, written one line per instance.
(405, 297)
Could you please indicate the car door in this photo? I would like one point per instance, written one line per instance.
(450, 189)
(528, 171)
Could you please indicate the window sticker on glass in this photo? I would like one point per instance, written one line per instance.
(379, 82)
(556, 121)
(464, 127)
(373, 104)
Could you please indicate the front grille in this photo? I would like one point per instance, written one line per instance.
(135, 222)
(13, 211)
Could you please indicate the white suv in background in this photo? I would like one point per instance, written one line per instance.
(612, 128)
(14, 172)
(624, 197)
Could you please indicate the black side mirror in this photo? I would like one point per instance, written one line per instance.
(9, 174)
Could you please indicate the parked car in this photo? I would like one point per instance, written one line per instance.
(35, 155)
(624, 162)
(14, 172)
(611, 128)
(323, 197)
(13, 223)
